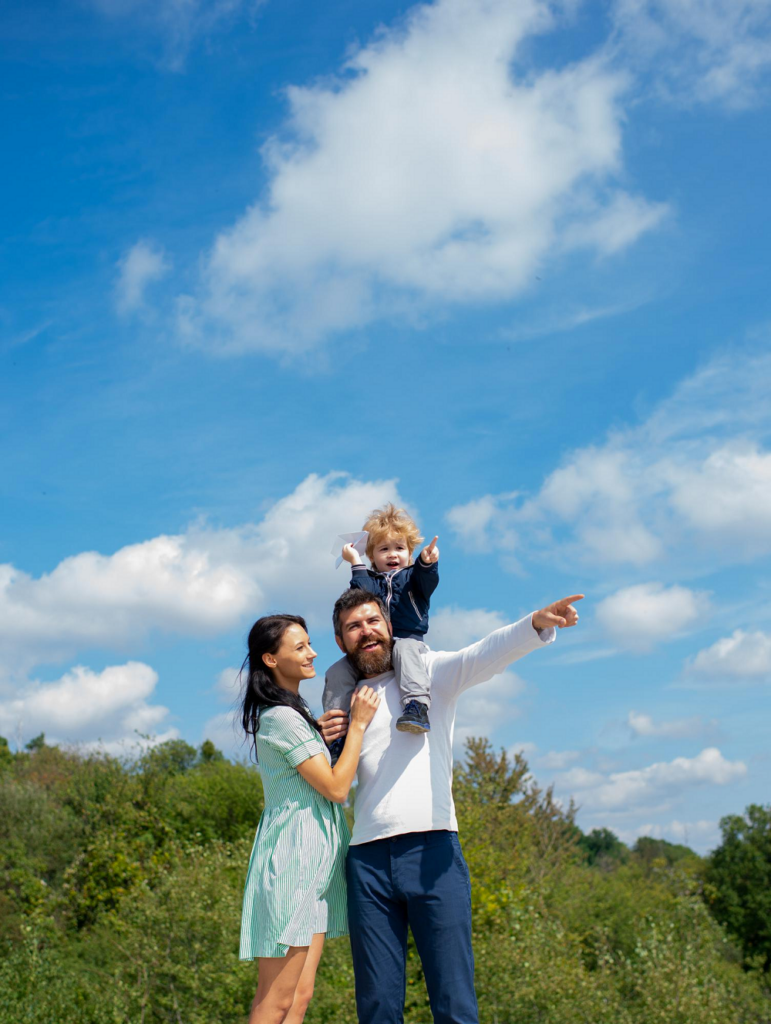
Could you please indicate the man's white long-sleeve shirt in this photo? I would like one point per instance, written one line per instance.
(405, 780)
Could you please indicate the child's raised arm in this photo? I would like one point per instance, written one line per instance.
(425, 578)
(430, 552)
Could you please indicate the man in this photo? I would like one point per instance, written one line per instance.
(405, 866)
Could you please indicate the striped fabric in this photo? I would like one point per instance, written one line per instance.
(295, 884)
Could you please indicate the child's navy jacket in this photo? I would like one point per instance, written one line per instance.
(405, 592)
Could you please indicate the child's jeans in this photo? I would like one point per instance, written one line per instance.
(409, 669)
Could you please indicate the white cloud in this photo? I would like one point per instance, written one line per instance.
(657, 784)
(453, 627)
(557, 760)
(228, 684)
(428, 173)
(598, 489)
(225, 732)
(640, 616)
(677, 728)
(741, 655)
(701, 836)
(700, 51)
(727, 495)
(104, 708)
(474, 523)
(183, 584)
(696, 834)
(594, 492)
(199, 583)
(138, 268)
(525, 747)
(692, 482)
(224, 729)
(484, 708)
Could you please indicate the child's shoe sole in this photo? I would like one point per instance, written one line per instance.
(413, 727)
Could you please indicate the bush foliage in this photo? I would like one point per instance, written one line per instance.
(120, 890)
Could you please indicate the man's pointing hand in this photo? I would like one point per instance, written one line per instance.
(560, 614)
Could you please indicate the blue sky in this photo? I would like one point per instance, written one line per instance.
(267, 266)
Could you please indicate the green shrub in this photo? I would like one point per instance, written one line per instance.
(121, 885)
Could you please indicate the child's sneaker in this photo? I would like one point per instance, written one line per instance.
(336, 748)
(414, 718)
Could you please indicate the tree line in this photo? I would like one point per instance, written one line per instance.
(121, 880)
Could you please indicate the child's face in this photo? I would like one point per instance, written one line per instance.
(390, 553)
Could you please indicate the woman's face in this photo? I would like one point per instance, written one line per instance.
(293, 661)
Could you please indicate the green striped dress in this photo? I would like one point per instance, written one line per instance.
(295, 884)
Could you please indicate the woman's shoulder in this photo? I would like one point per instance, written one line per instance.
(279, 713)
(281, 719)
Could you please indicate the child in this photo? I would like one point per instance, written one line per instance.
(405, 587)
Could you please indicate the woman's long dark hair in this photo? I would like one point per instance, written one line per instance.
(261, 690)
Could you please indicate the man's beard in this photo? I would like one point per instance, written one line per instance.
(374, 662)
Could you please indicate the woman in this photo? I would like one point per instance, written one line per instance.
(295, 885)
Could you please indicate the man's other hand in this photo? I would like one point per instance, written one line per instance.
(334, 724)
(560, 614)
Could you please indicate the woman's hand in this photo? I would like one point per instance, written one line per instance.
(364, 704)
(350, 554)
(335, 783)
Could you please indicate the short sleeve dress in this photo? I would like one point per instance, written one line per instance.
(295, 884)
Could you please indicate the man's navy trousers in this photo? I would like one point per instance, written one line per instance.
(420, 880)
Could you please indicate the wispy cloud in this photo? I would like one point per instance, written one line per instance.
(25, 337)
(699, 51)
(143, 264)
(178, 24)
(642, 725)
(568, 320)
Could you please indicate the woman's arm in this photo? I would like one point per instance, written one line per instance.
(335, 783)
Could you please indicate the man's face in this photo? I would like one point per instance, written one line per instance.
(366, 639)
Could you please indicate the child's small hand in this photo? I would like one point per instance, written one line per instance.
(430, 554)
(350, 554)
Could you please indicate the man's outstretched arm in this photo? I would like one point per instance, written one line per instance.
(455, 671)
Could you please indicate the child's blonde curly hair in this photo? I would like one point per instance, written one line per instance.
(389, 522)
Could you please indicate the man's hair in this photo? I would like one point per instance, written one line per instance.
(352, 598)
(389, 522)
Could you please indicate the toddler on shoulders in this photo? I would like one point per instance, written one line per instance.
(405, 587)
